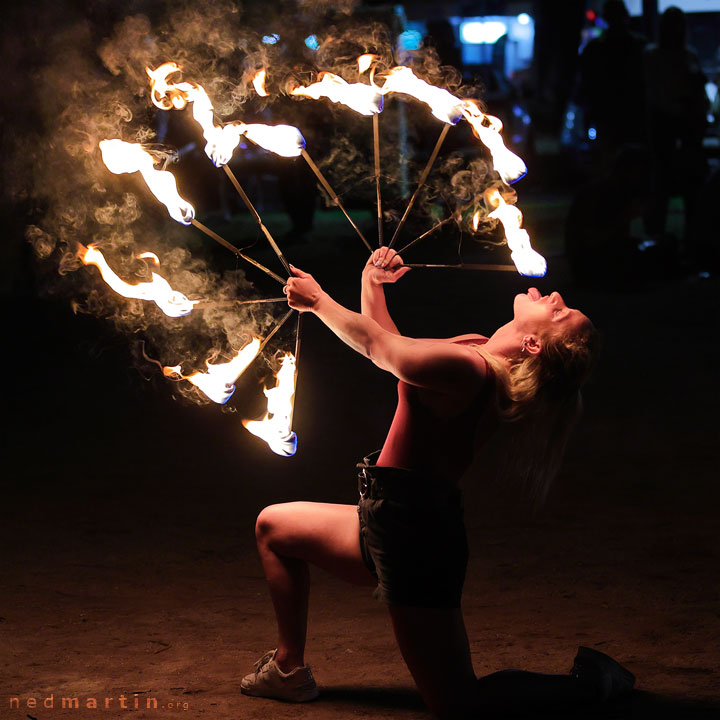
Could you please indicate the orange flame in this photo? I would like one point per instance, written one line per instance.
(275, 427)
(443, 104)
(259, 83)
(362, 98)
(284, 140)
(149, 256)
(218, 382)
(527, 261)
(506, 162)
(123, 157)
(171, 302)
(221, 141)
(476, 220)
(364, 62)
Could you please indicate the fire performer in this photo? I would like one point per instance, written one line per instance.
(407, 535)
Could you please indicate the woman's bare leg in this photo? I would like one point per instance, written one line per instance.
(435, 648)
(291, 535)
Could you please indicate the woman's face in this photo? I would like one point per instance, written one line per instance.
(536, 313)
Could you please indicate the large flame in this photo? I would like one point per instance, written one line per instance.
(506, 162)
(274, 428)
(220, 141)
(171, 302)
(285, 140)
(443, 104)
(259, 83)
(123, 157)
(360, 97)
(218, 382)
(527, 261)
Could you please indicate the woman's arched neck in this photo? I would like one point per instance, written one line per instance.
(505, 343)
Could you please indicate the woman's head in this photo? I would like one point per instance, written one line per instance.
(540, 396)
(558, 349)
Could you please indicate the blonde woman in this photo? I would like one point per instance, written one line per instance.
(406, 535)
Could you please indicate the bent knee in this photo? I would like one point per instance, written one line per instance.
(267, 522)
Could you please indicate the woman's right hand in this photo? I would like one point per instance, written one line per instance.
(384, 266)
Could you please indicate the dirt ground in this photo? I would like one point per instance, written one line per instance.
(128, 563)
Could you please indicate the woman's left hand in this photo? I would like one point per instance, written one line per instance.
(302, 290)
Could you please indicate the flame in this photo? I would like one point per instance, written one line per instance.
(285, 140)
(218, 382)
(149, 256)
(527, 261)
(506, 162)
(259, 82)
(364, 62)
(443, 104)
(123, 157)
(220, 141)
(166, 95)
(171, 302)
(476, 220)
(362, 98)
(274, 428)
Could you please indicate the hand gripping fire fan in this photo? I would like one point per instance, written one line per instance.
(284, 140)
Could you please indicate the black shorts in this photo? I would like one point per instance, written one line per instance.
(412, 536)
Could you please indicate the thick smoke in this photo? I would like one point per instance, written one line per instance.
(86, 82)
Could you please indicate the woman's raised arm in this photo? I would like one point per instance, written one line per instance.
(383, 266)
(444, 367)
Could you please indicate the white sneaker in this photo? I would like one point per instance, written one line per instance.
(270, 681)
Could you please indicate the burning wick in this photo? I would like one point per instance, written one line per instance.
(450, 109)
(284, 140)
(443, 104)
(171, 302)
(274, 428)
(527, 261)
(510, 167)
(218, 382)
(123, 157)
(362, 98)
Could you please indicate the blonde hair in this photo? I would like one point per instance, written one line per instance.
(538, 400)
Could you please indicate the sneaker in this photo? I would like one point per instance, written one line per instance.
(609, 676)
(270, 681)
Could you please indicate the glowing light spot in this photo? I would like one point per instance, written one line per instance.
(476, 32)
(592, 133)
(524, 19)
(312, 42)
(270, 39)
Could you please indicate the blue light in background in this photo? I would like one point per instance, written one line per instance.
(312, 42)
(524, 19)
(478, 32)
(592, 133)
(270, 39)
(410, 40)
